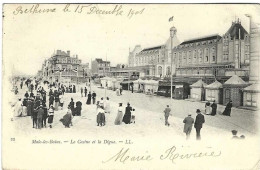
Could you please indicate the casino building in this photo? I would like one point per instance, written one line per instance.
(214, 56)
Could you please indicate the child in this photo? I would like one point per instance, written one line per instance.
(100, 116)
(51, 114)
(133, 116)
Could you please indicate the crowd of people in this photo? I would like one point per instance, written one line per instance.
(34, 104)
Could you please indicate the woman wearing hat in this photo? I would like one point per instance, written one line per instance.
(119, 116)
(127, 116)
(227, 110)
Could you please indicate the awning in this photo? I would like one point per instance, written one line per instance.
(126, 82)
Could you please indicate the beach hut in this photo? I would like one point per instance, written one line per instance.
(117, 83)
(214, 91)
(232, 90)
(251, 95)
(113, 82)
(198, 90)
(136, 84)
(103, 81)
(155, 85)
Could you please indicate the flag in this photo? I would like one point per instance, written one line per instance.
(171, 19)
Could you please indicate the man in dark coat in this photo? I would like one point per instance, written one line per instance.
(29, 106)
(198, 123)
(188, 122)
(71, 105)
(74, 89)
(127, 116)
(227, 110)
(78, 108)
(40, 113)
(51, 92)
(167, 113)
(51, 100)
(45, 115)
(94, 95)
(214, 108)
(21, 84)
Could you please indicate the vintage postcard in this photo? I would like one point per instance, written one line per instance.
(130, 86)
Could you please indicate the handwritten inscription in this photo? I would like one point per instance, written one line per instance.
(89, 9)
(171, 154)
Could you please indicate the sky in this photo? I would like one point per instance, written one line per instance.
(30, 38)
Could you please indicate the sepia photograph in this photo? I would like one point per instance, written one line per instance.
(130, 86)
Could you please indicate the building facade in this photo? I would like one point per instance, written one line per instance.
(63, 67)
(215, 56)
(100, 67)
(153, 61)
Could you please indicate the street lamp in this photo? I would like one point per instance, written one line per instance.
(173, 31)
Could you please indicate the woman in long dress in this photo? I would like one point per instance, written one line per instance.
(207, 108)
(227, 110)
(18, 108)
(118, 120)
(89, 99)
(107, 105)
(127, 116)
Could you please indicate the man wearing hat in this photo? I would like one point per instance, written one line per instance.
(198, 123)
(188, 125)
(167, 112)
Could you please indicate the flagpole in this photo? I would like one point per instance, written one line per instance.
(172, 33)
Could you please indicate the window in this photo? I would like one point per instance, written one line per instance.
(189, 57)
(213, 54)
(180, 57)
(200, 55)
(237, 48)
(225, 57)
(227, 94)
(160, 71)
(195, 56)
(184, 58)
(168, 71)
(206, 59)
(247, 49)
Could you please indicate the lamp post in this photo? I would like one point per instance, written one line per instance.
(173, 31)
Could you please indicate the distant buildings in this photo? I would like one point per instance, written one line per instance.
(100, 67)
(63, 67)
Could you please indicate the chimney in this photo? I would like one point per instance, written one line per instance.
(58, 52)
(68, 52)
